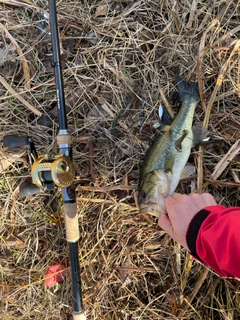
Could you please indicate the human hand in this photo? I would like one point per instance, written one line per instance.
(181, 209)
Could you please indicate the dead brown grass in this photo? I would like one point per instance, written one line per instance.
(119, 63)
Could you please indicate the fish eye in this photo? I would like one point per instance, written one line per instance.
(143, 196)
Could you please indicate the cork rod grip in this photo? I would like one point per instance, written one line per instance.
(64, 139)
(71, 222)
(80, 316)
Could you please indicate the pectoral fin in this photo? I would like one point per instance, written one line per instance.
(208, 142)
(199, 134)
(187, 172)
(200, 138)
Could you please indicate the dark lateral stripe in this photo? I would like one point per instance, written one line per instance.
(193, 230)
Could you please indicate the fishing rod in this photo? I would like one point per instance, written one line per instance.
(50, 170)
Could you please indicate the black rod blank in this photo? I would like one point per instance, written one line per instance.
(57, 66)
(78, 304)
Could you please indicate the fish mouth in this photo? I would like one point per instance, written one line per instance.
(152, 207)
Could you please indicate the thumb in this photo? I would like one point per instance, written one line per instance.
(165, 224)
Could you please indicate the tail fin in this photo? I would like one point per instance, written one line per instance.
(187, 89)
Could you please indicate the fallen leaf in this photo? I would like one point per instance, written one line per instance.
(55, 274)
(102, 10)
(7, 159)
(14, 242)
(125, 270)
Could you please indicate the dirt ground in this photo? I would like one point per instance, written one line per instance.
(119, 61)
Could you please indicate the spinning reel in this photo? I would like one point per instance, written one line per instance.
(48, 170)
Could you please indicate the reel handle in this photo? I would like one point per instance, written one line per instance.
(28, 189)
(14, 141)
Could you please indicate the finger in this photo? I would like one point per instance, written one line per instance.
(165, 224)
(172, 200)
(169, 200)
(209, 199)
(176, 195)
(206, 199)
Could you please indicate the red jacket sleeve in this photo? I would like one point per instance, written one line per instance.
(213, 237)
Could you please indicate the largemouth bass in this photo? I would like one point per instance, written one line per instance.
(165, 161)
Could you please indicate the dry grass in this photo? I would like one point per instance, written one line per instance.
(119, 63)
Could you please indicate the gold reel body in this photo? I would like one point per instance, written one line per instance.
(60, 167)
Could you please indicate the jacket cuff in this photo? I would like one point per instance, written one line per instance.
(193, 229)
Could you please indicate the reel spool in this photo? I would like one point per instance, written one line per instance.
(50, 170)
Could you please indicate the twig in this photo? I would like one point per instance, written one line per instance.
(26, 3)
(198, 285)
(224, 162)
(21, 57)
(200, 86)
(166, 104)
(219, 84)
(230, 184)
(19, 97)
(213, 96)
